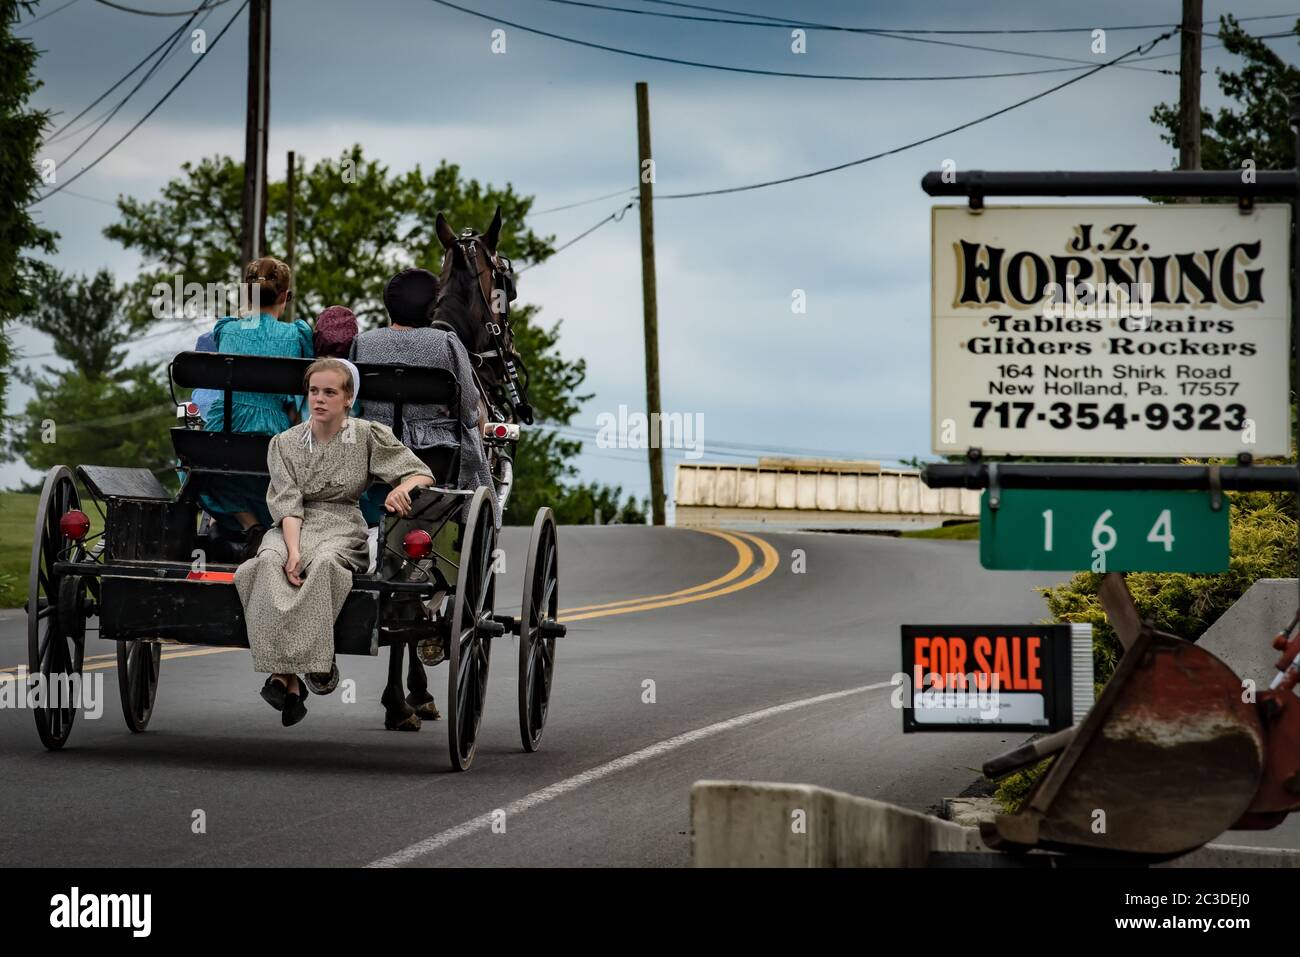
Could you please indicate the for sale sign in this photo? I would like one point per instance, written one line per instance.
(1145, 331)
(1004, 677)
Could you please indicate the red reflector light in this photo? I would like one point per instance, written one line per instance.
(417, 544)
(192, 409)
(501, 431)
(74, 524)
(211, 576)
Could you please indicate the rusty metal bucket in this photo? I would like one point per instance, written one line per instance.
(1168, 758)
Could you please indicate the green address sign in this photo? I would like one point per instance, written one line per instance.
(1104, 531)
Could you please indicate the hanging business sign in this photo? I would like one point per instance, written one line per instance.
(1143, 331)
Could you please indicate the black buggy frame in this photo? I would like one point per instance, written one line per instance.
(146, 579)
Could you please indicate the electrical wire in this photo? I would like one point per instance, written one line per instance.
(611, 218)
(1003, 30)
(51, 13)
(154, 109)
(162, 58)
(748, 70)
(171, 38)
(928, 139)
(160, 13)
(803, 24)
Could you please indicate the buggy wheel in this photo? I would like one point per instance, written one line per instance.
(138, 664)
(537, 629)
(56, 623)
(472, 625)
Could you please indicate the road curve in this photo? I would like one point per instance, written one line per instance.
(770, 657)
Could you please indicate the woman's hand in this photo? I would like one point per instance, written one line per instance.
(293, 569)
(399, 500)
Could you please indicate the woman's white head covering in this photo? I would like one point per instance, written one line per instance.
(356, 378)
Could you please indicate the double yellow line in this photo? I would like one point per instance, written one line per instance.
(747, 547)
(750, 549)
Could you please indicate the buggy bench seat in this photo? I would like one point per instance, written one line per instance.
(237, 453)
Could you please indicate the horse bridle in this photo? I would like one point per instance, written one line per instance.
(500, 275)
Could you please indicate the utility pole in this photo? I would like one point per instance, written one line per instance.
(290, 228)
(1189, 91)
(255, 128)
(645, 176)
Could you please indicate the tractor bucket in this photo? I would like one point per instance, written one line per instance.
(1168, 758)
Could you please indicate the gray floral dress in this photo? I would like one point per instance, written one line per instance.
(291, 628)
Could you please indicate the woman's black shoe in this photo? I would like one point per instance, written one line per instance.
(294, 709)
(274, 693)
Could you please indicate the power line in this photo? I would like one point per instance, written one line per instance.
(927, 139)
(36, 20)
(162, 58)
(1004, 30)
(160, 13)
(585, 202)
(611, 218)
(801, 24)
(152, 111)
(748, 70)
(99, 99)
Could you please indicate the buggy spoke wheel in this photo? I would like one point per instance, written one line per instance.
(537, 648)
(467, 645)
(56, 623)
(138, 667)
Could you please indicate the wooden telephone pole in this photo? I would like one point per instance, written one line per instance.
(291, 229)
(1189, 91)
(645, 168)
(255, 128)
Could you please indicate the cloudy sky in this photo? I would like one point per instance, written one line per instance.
(416, 81)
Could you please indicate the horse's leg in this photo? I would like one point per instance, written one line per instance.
(398, 715)
(417, 683)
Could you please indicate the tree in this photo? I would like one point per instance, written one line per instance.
(117, 420)
(1258, 126)
(99, 411)
(357, 224)
(85, 319)
(20, 179)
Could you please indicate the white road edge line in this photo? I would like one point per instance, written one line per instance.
(483, 821)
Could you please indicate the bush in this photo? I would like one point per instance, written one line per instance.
(1262, 544)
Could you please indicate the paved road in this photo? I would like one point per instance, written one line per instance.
(339, 789)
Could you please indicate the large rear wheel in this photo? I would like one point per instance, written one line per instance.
(538, 629)
(56, 623)
(472, 628)
(138, 663)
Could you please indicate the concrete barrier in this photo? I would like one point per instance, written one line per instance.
(1242, 635)
(755, 824)
(759, 824)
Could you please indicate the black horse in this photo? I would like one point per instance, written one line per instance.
(474, 295)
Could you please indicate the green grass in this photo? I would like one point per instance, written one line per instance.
(965, 532)
(17, 520)
(17, 526)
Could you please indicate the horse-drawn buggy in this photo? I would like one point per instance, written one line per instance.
(147, 576)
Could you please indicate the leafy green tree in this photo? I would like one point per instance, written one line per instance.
(1257, 125)
(116, 420)
(85, 319)
(98, 412)
(20, 180)
(356, 225)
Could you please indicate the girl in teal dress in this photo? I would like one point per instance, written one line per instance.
(238, 504)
